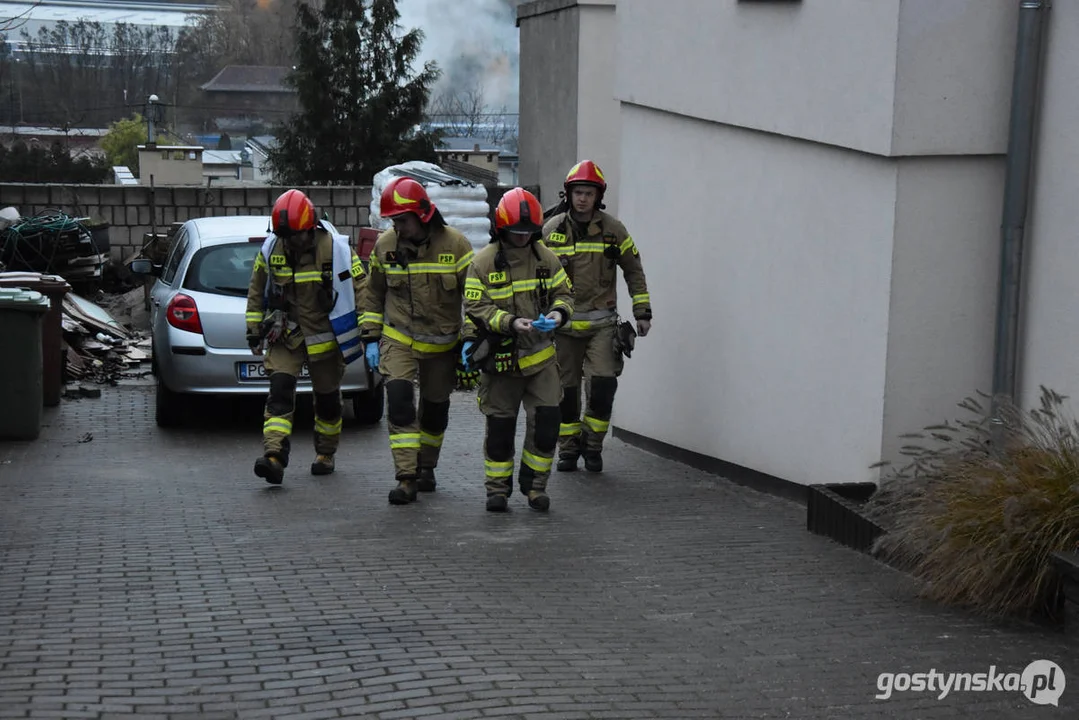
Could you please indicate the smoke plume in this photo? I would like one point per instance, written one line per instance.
(474, 43)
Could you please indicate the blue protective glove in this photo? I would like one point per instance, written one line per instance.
(371, 353)
(544, 324)
(464, 353)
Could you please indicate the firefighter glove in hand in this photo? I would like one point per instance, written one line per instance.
(465, 348)
(253, 341)
(372, 355)
(544, 324)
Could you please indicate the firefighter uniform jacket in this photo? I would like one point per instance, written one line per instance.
(507, 282)
(591, 257)
(414, 292)
(306, 286)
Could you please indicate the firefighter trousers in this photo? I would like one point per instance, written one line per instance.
(590, 356)
(416, 434)
(284, 365)
(500, 398)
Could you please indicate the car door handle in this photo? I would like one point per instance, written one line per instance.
(155, 301)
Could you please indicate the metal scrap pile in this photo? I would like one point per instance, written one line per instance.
(54, 243)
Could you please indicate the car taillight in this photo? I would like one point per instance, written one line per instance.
(183, 314)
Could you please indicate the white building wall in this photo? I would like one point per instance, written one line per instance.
(598, 123)
(945, 261)
(547, 136)
(822, 252)
(769, 262)
(1049, 352)
(953, 76)
(821, 71)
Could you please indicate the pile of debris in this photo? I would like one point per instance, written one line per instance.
(55, 243)
(100, 348)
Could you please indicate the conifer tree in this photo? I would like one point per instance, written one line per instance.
(361, 103)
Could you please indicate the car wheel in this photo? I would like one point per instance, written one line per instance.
(170, 408)
(368, 406)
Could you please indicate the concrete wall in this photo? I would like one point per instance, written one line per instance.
(819, 71)
(598, 127)
(945, 258)
(953, 76)
(831, 282)
(129, 208)
(769, 347)
(547, 135)
(1048, 354)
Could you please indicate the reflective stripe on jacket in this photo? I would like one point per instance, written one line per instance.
(531, 283)
(414, 293)
(591, 257)
(321, 295)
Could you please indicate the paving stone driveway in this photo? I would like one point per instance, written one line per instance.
(150, 574)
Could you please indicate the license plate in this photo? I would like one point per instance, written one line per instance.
(256, 372)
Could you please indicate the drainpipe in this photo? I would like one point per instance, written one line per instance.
(1025, 80)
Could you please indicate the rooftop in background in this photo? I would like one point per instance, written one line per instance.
(250, 78)
(221, 157)
(51, 132)
(460, 143)
(33, 15)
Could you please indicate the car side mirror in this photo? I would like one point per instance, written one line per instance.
(144, 266)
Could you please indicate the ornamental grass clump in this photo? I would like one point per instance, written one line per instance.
(976, 522)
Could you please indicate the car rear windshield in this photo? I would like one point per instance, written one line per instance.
(222, 269)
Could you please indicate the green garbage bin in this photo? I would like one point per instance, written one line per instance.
(21, 316)
(54, 288)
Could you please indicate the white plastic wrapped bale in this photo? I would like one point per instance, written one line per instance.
(463, 204)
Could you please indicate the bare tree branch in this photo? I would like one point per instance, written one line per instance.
(17, 21)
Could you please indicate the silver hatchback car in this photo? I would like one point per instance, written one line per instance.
(197, 315)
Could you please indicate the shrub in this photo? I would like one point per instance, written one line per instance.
(975, 521)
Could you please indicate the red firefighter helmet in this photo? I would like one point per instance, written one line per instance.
(292, 213)
(519, 211)
(404, 195)
(586, 172)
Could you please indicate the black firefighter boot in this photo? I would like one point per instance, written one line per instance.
(593, 461)
(567, 462)
(270, 468)
(426, 481)
(537, 498)
(323, 464)
(405, 492)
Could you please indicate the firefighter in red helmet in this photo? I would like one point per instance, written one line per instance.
(516, 295)
(412, 327)
(303, 307)
(592, 245)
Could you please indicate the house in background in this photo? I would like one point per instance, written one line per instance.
(507, 167)
(170, 164)
(259, 150)
(463, 155)
(225, 167)
(241, 98)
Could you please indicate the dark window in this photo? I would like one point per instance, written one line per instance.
(179, 247)
(222, 269)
